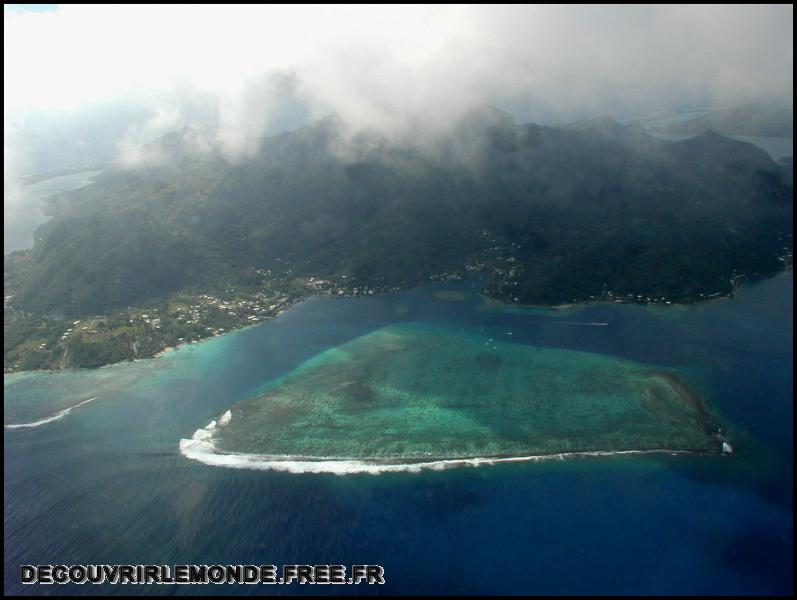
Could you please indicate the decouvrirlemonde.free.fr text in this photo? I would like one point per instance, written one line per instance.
(202, 574)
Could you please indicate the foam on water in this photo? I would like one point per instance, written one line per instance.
(59, 415)
(202, 449)
(412, 393)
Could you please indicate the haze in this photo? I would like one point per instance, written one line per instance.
(92, 83)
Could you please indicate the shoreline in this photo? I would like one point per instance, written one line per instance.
(737, 283)
(201, 448)
(488, 304)
(176, 347)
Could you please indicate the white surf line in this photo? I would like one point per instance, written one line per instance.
(59, 415)
(225, 418)
(202, 449)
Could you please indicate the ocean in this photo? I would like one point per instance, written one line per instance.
(23, 206)
(105, 482)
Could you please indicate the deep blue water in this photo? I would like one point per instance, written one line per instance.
(106, 483)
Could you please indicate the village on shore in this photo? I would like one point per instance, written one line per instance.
(36, 342)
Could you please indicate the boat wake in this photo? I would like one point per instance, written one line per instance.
(59, 415)
(201, 448)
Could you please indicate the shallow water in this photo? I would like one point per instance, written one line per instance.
(414, 394)
(107, 484)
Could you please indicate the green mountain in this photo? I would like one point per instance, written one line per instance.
(556, 213)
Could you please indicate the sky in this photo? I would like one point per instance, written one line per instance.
(87, 83)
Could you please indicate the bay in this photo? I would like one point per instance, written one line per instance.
(106, 482)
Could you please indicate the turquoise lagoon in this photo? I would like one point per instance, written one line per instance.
(103, 478)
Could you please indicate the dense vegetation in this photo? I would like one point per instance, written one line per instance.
(578, 211)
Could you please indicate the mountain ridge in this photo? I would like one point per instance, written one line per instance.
(581, 209)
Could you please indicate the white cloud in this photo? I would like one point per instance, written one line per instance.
(379, 65)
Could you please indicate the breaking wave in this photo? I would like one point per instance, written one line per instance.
(201, 448)
(59, 415)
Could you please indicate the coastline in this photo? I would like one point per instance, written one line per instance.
(128, 448)
(737, 284)
(202, 449)
(299, 465)
(176, 347)
(488, 303)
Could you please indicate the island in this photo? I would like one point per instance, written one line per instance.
(408, 395)
(192, 246)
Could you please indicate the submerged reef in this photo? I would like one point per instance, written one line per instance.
(410, 393)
